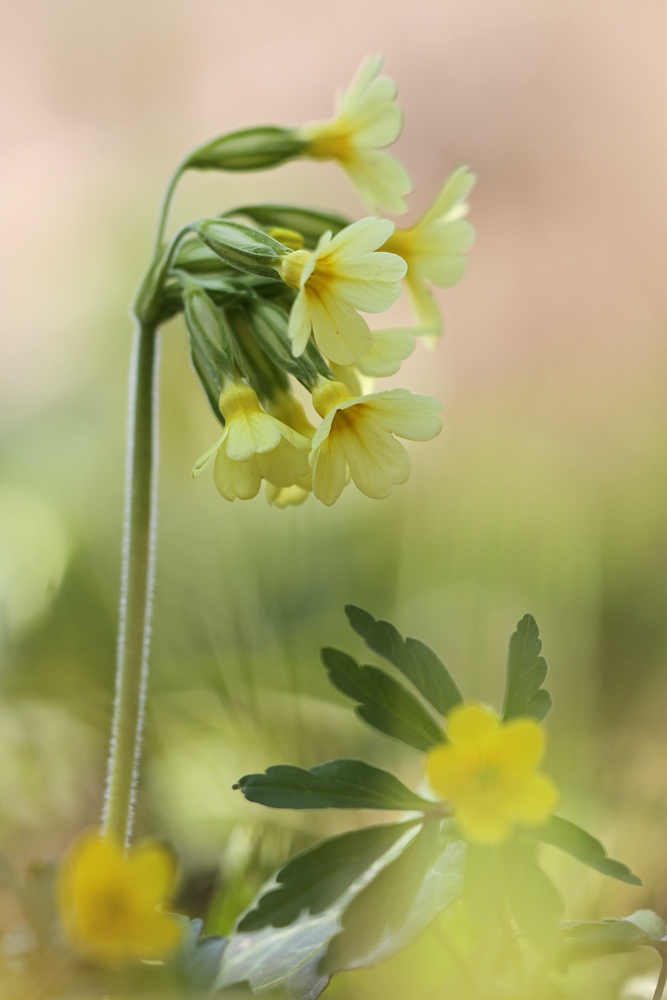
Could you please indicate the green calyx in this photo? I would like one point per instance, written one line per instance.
(248, 149)
(242, 247)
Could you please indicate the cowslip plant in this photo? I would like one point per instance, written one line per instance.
(468, 837)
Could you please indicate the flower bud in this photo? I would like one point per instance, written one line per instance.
(243, 247)
(308, 222)
(248, 149)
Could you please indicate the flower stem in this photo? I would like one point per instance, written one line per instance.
(662, 980)
(136, 586)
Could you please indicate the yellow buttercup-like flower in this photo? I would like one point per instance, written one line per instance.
(253, 446)
(341, 275)
(488, 770)
(112, 905)
(434, 248)
(367, 120)
(357, 433)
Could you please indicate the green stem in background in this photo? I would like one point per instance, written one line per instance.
(662, 980)
(136, 586)
(166, 205)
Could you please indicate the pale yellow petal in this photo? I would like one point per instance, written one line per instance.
(377, 461)
(356, 240)
(329, 471)
(534, 801)
(250, 433)
(521, 744)
(340, 332)
(236, 479)
(299, 326)
(390, 347)
(381, 180)
(152, 871)
(284, 465)
(452, 193)
(406, 414)
(425, 305)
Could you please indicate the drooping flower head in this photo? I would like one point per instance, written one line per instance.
(112, 905)
(339, 277)
(367, 120)
(358, 434)
(488, 770)
(434, 248)
(253, 446)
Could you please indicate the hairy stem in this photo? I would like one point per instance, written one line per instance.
(136, 586)
(662, 979)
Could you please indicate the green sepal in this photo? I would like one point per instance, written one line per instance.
(313, 880)
(195, 257)
(208, 328)
(309, 222)
(383, 702)
(209, 381)
(413, 658)
(256, 148)
(269, 325)
(339, 784)
(266, 378)
(526, 671)
(242, 247)
(573, 840)
(400, 902)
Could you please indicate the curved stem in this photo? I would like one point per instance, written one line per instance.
(136, 586)
(166, 205)
(662, 980)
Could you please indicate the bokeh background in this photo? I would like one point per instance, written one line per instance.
(545, 491)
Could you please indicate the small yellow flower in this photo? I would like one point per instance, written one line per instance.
(488, 771)
(253, 446)
(358, 433)
(290, 411)
(341, 275)
(367, 119)
(111, 905)
(434, 248)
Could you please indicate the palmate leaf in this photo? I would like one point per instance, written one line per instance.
(413, 658)
(317, 877)
(338, 784)
(571, 838)
(526, 671)
(383, 702)
(400, 902)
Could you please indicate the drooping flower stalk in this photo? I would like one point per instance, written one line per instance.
(138, 571)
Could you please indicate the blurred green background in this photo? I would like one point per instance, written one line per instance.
(545, 491)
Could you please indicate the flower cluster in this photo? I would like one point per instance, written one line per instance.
(284, 299)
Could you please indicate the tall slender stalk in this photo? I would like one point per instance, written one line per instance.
(136, 586)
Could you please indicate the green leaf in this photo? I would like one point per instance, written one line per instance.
(338, 784)
(255, 148)
(413, 658)
(535, 903)
(581, 845)
(310, 222)
(384, 703)
(400, 902)
(285, 958)
(609, 937)
(314, 879)
(526, 671)
(649, 923)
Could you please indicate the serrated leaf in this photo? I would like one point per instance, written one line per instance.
(311, 223)
(339, 784)
(317, 877)
(571, 838)
(384, 703)
(400, 902)
(413, 658)
(285, 958)
(526, 671)
(199, 956)
(534, 901)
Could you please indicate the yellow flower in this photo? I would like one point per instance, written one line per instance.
(367, 119)
(342, 275)
(434, 248)
(111, 905)
(253, 446)
(290, 411)
(488, 771)
(358, 433)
